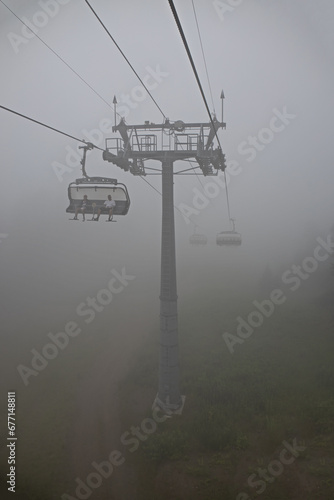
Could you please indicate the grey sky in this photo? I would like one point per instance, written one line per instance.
(265, 56)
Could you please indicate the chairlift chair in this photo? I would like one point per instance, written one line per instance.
(198, 239)
(97, 190)
(229, 238)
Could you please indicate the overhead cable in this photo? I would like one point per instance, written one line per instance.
(127, 60)
(46, 126)
(185, 43)
(61, 59)
(204, 59)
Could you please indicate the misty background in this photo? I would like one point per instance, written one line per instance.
(263, 55)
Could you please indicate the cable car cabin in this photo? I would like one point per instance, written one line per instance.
(228, 238)
(97, 190)
(198, 239)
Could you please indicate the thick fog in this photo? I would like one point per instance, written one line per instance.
(274, 61)
(264, 56)
(268, 59)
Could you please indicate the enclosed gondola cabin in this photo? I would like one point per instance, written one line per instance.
(97, 190)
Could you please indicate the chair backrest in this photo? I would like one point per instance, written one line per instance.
(97, 194)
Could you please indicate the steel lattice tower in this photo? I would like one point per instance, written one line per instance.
(167, 143)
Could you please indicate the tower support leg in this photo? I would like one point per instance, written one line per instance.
(168, 398)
